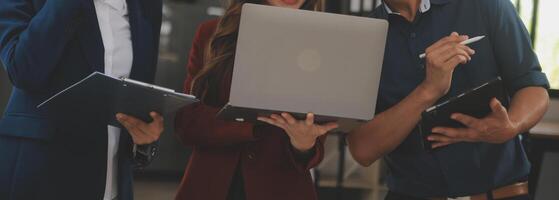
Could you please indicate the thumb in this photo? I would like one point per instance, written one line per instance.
(497, 108)
(328, 127)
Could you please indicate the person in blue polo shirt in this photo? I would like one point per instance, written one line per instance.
(485, 160)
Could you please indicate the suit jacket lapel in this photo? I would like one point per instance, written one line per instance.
(91, 40)
(142, 40)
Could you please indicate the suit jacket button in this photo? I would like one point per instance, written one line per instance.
(251, 156)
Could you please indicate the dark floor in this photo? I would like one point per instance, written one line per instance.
(166, 189)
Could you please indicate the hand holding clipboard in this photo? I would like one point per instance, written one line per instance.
(474, 103)
(102, 97)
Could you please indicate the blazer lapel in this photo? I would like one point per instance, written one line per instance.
(91, 40)
(142, 41)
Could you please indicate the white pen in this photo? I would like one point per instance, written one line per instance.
(465, 42)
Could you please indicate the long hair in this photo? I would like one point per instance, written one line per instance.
(220, 54)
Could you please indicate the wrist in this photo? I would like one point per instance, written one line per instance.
(428, 94)
(303, 146)
(515, 128)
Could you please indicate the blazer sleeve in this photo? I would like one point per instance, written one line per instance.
(32, 42)
(304, 163)
(197, 125)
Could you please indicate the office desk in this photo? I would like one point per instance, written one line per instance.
(543, 138)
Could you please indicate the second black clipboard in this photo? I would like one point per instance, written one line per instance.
(102, 96)
(474, 102)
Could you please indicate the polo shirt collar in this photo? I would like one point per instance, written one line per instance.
(423, 7)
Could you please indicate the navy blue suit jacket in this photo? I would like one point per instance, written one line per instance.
(46, 46)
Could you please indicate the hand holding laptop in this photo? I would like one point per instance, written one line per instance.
(331, 84)
(302, 133)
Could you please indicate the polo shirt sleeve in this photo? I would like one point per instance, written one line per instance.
(518, 64)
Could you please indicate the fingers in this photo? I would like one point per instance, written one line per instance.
(450, 51)
(448, 132)
(271, 122)
(440, 144)
(290, 119)
(132, 121)
(457, 59)
(465, 119)
(310, 119)
(131, 128)
(278, 119)
(454, 50)
(141, 132)
(498, 108)
(437, 138)
(139, 136)
(453, 38)
(156, 117)
(158, 122)
(456, 134)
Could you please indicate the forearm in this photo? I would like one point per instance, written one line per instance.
(527, 108)
(32, 43)
(388, 129)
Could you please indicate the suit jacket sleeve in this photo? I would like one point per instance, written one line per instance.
(32, 42)
(197, 124)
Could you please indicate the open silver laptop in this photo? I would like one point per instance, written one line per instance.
(301, 61)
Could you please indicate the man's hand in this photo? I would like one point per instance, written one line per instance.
(142, 133)
(441, 60)
(496, 128)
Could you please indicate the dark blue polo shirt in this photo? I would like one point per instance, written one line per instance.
(465, 168)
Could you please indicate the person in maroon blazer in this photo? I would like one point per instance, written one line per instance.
(233, 160)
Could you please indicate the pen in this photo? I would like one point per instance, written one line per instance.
(465, 42)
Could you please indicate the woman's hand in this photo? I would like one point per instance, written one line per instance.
(142, 133)
(303, 134)
(441, 60)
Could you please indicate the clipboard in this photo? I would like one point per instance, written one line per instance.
(101, 97)
(474, 102)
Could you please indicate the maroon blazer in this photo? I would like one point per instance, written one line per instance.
(270, 168)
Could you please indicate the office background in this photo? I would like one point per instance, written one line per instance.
(337, 180)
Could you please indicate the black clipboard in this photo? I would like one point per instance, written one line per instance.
(474, 102)
(101, 97)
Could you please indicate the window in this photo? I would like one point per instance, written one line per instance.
(540, 17)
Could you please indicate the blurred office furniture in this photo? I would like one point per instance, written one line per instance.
(345, 178)
(543, 150)
(543, 138)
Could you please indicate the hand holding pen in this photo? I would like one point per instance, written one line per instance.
(441, 59)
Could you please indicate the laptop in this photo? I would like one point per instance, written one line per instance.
(300, 61)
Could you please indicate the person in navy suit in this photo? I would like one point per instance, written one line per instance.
(45, 46)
